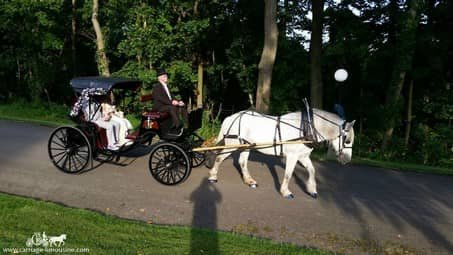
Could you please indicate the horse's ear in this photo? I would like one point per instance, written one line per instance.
(349, 125)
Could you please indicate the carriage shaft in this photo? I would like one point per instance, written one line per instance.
(249, 146)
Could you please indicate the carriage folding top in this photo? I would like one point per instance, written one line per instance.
(105, 83)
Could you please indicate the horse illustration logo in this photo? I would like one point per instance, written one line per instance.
(41, 239)
(57, 240)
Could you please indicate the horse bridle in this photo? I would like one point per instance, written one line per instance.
(342, 135)
(342, 143)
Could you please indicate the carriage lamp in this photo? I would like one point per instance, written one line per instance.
(148, 123)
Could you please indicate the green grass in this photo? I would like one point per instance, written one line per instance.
(399, 166)
(102, 234)
(403, 166)
(51, 115)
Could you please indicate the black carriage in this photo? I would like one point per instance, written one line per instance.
(72, 149)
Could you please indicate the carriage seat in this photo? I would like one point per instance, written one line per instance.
(133, 135)
(155, 115)
(150, 114)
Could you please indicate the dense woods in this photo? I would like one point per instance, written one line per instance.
(397, 53)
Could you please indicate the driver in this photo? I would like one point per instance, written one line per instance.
(163, 101)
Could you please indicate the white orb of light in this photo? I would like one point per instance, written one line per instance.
(341, 75)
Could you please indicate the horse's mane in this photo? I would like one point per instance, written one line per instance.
(329, 115)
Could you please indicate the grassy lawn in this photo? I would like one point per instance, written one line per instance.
(399, 166)
(50, 115)
(102, 234)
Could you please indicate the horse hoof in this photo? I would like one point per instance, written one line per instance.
(290, 196)
(253, 186)
(314, 195)
(212, 181)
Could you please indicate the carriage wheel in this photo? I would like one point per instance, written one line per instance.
(198, 158)
(69, 149)
(169, 164)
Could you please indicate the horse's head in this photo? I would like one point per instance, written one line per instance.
(341, 146)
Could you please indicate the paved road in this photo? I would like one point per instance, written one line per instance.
(360, 210)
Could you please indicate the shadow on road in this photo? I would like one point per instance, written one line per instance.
(419, 200)
(205, 200)
(125, 158)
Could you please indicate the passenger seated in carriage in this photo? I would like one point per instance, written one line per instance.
(92, 112)
(110, 112)
(103, 114)
(164, 102)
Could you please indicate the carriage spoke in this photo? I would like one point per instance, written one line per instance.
(62, 139)
(162, 168)
(59, 158)
(69, 163)
(79, 158)
(71, 159)
(165, 176)
(62, 157)
(60, 153)
(57, 149)
(172, 174)
(65, 160)
(76, 158)
(61, 145)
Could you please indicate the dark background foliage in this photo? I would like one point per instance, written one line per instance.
(39, 54)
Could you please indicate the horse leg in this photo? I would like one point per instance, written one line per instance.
(311, 182)
(243, 159)
(218, 160)
(291, 161)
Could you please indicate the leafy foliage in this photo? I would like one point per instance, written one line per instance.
(38, 56)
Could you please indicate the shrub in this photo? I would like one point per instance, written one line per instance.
(430, 144)
(210, 126)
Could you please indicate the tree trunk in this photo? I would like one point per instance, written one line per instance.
(200, 86)
(101, 57)
(409, 114)
(73, 38)
(268, 55)
(405, 49)
(198, 58)
(316, 86)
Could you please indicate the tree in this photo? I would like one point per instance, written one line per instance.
(101, 56)
(403, 63)
(268, 55)
(32, 61)
(316, 86)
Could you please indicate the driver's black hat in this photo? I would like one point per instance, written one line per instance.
(161, 71)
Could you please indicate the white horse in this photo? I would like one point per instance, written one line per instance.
(255, 128)
(57, 240)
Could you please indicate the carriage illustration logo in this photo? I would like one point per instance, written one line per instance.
(41, 239)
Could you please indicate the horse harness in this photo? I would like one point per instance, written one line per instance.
(306, 129)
